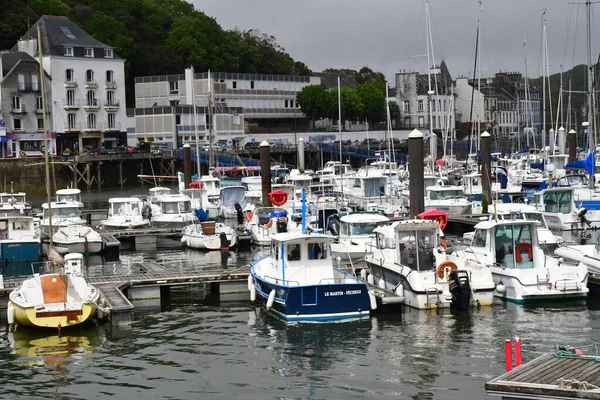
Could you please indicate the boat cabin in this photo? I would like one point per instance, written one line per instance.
(302, 259)
(17, 228)
(156, 193)
(445, 193)
(509, 243)
(175, 204)
(555, 200)
(575, 180)
(124, 206)
(368, 186)
(69, 196)
(61, 211)
(356, 223)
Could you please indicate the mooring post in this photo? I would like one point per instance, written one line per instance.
(301, 155)
(561, 140)
(486, 169)
(572, 138)
(265, 172)
(187, 165)
(416, 169)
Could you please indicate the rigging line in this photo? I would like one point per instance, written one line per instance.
(567, 35)
(575, 41)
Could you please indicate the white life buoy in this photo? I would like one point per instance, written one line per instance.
(271, 299)
(10, 313)
(252, 293)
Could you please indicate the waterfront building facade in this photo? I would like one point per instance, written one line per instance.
(86, 96)
(415, 101)
(21, 111)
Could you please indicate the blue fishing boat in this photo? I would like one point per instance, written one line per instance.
(19, 239)
(298, 282)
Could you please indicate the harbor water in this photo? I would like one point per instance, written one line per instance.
(195, 345)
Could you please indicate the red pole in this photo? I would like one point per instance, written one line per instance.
(517, 351)
(508, 353)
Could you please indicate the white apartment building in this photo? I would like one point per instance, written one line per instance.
(240, 103)
(87, 89)
(21, 111)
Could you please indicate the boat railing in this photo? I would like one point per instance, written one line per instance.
(282, 282)
(43, 267)
(329, 281)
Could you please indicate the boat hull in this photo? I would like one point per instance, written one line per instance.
(79, 247)
(29, 317)
(315, 303)
(24, 251)
(516, 291)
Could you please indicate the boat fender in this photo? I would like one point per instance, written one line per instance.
(100, 313)
(372, 300)
(381, 284)
(250, 281)
(252, 293)
(363, 274)
(370, 279)
(271, 299)
(10, 314)
(500, 288)
(399, 291)
(446, 266)
(184, 240)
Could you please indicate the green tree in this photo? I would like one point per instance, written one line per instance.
(394, 112)
(352, 107)
(373, 100)
(315, 102)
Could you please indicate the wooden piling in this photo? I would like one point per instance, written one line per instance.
(486, 169)
(416, 169)
(572, 138)
(265, 172)
(187, 165)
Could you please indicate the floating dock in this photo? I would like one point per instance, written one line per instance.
(550, 377)
(119, 292)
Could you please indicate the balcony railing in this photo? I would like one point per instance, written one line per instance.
(113, 127)
(70, 84)
(28, 87)
(71, 104)
(111, 104)
(91, 84)
(92, 104)
(76, 127)
(111, 85)
(20, 110)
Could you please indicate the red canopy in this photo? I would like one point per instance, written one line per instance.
(436, 215)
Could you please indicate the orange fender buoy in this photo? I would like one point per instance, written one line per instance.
(519, 248)
(441, 269)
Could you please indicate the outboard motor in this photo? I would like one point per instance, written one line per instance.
(460, 288)
(585, 223)
(224, 241)
(240, 213)
(281, 226)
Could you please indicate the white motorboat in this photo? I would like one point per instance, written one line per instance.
(69, 196)
(208, 235)
(14, 203)
(77, 239)
(63, 214)
(19, 238)
(127, 213)
(450, 199)
(54, 300)
(523, 273)
(172, 211)
(354, 232)
(263, 222)
(409, 259)
(230, 196)
(253, 187)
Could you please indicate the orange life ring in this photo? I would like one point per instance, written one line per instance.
(441, 269)
(519, 248)
(269, 224)
(443, 243)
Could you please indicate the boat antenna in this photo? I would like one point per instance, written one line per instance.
(46, 147)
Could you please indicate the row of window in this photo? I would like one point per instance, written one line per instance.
(17, 104)
(407, 122)
(90, 76)
(88, 52)
(421, 105)
(91, 98)
(72, 122)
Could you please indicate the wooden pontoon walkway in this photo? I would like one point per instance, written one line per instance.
(550, 377)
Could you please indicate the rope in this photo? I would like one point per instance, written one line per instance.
(569, 352)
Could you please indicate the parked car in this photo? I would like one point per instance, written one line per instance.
(370, 142)
(252, 145)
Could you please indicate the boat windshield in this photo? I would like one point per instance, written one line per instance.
(514, 246)
(446, 194)
(374, 187)
(362, 228)
(64, 212)
(416, 249)
(536, 217)
(68, 198)
(176, 207)
(557, 201)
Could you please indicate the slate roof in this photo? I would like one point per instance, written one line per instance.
(58, 32)
(10, 59)
(329, 80)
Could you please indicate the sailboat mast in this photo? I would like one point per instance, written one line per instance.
(210, 116)
(429, 91)
(340, 134)
(590, 110)
(544, 57)
(479, 78)
(46, 146)
(196, 124)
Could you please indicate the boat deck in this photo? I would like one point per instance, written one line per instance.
(550, 377)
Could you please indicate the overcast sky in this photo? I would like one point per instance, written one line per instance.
(390, 35)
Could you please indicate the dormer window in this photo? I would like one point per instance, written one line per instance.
(89, 52)
(68, 52)
(108, 53)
